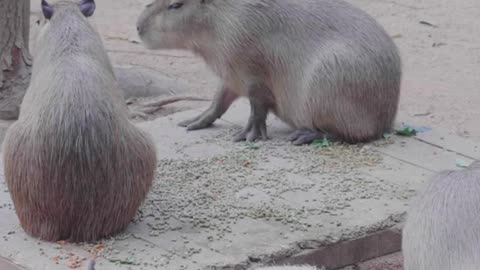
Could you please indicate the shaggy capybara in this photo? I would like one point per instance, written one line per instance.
(76, 168)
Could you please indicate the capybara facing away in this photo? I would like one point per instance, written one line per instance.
(76, 168)
(442, 231)
(322, 66)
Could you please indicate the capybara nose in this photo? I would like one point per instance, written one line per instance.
(139, 29)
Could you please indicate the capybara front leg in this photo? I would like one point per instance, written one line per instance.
(221, 102)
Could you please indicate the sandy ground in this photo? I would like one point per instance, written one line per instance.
(441, 86)
(216, 204)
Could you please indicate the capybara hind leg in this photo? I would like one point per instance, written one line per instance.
(305, 136)
(221, 102)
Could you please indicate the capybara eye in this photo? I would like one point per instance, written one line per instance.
(175, 5)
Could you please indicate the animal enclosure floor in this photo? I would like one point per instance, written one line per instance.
(390, 262)
(216, 204)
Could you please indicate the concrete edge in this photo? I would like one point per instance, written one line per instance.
(333, 254)
(6, 264)
(350, 252)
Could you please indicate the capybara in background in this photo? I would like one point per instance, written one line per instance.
(324, 67)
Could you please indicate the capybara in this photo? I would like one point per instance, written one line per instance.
(76, 168)
(324, 67)
(442, 231)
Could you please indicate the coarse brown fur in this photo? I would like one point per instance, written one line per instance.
(322, 66)
(76, 168)
(443, 223)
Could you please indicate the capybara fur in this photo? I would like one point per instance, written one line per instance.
(324, 67)
(442, 231)
(76, 168)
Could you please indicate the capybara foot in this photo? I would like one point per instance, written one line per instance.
(202, 121)
(256, 129)
(305, 136)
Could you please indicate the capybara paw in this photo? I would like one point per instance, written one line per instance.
(252, 134)
(302, 136)
(202, 121)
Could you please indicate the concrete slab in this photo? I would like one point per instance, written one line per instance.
(217, 204)
(7, 265)
(389, 262)
(349, 252)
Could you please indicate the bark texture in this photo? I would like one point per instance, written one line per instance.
(15, 58)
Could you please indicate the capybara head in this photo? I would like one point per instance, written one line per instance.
(62, 14)
(170, 24)
(86, 7)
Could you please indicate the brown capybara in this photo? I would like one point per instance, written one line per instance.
(76, 168)
(324, 67)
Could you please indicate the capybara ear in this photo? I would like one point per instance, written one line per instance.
(87, 7)
(47, 10)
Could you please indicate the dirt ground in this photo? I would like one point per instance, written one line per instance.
(439, 42)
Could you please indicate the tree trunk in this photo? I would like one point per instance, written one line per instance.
(15, 58)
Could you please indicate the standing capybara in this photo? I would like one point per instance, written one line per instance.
(442, 231)
(76, 168)
(322, 66)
